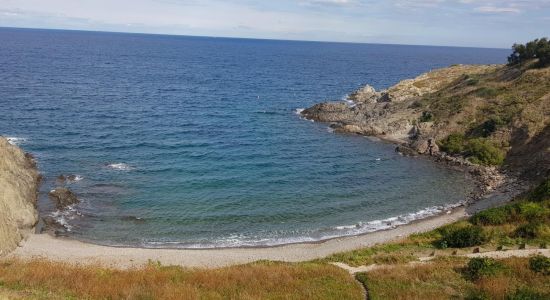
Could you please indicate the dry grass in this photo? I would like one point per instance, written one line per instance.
(266, 280)
(444, 279)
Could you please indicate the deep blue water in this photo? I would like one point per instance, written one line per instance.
(198, 137)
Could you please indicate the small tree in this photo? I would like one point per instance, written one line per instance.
(536, 49)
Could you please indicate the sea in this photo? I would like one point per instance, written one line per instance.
(195, 142)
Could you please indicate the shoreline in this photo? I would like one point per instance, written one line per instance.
(73, 251)
(45, 246)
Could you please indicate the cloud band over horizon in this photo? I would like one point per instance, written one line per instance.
(484, 23)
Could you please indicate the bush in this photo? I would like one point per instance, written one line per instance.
(461, 237)
(542, 192)
(484, 153)
(479, 267)
(426, 117)
(477, 295)
(486, 92)
(532, 230)
(525, 294)
(454, 143)
(540, 264)
(472, 81)
(492, 216)
(532, 211)
(539, 48)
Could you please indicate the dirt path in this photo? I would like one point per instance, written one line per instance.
(427, 259)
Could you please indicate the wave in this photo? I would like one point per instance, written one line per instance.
(120, 166)
(390, 223)
(75, 178)
(16, 141)
(299, 111)
(63, 217)
(241, 240)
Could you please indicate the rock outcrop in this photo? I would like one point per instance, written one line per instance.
(508, 108)
(19, 180)
(63, 197)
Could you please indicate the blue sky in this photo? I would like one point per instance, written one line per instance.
(484, 23)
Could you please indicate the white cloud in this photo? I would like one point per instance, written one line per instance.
(496, 10)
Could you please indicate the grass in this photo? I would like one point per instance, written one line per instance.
(447, 278)
(264, 280)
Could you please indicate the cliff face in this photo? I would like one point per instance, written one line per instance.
(19, 181)
(504, 107)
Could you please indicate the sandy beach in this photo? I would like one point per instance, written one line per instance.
(72, 251)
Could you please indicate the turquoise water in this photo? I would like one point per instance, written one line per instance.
(195, 142)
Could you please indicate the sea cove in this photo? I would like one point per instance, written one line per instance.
(191, 142)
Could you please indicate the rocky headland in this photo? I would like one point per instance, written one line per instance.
(492, 120)
(19, 181)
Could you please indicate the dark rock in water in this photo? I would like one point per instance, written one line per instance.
(406, 151)
(134, 219)
(52, 226)
(65, 178)
(63, 197)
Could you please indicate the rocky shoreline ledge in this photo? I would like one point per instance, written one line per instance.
(397, 115)
(19, 181)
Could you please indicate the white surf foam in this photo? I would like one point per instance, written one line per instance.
(78, 178)
(64, 216)
(299, 111)
(120, 166)
(15, 140)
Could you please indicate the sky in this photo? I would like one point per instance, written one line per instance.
(477, 23)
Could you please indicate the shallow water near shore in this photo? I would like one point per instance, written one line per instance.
(195, 142)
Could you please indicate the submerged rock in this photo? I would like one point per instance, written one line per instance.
(63, 197)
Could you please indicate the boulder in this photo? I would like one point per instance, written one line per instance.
(63, 197)
(367, 94)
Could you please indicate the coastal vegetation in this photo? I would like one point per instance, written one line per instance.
(42, 279)
(459, 278)
(536, 49)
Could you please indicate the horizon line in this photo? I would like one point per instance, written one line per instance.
(243, 38)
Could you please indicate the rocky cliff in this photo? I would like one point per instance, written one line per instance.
(493, 115)
(19, 181)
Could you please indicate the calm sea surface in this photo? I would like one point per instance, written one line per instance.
(194, 142)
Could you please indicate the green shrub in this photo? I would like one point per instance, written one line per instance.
(461, 237)
(426, 117)
(472, 81)
(541, 192)
(492, 216)
(454, 143)
(488, 127)
(533, 230)
(540, 264)
(525, 294)
(532, 211)
(477, 295)
(486, 92)
(479, 267)
(484, 153)
(538, 48)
